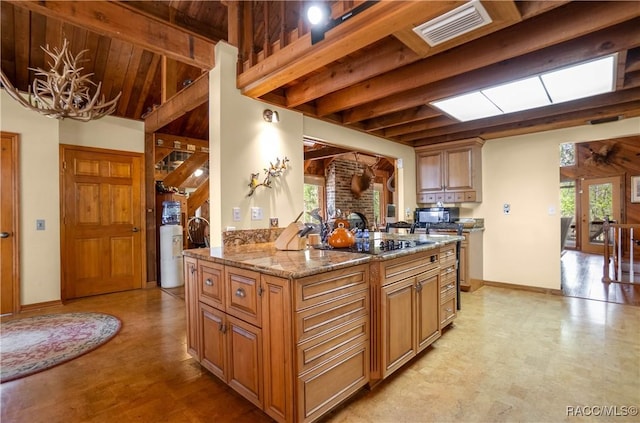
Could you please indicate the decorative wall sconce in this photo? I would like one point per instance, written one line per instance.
(271, 116)
(273, 171)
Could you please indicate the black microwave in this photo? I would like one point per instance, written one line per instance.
(425, 215)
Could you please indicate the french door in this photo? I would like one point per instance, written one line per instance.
(600, 198)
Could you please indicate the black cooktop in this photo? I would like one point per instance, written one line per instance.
(378, 246)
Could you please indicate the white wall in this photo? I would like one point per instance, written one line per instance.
(108, 132)
(523, 247)
(241, 143)
(39, 199)
(40, 185)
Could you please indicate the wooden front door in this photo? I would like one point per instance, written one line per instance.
(102, 216)
(9, 267)
(600, 198)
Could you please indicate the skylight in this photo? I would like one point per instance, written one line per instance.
(570, 83)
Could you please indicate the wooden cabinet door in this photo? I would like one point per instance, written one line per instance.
(458, 169)
(429, 172)
(190, 270)
(428, 324)
(243, 295)
(211, 284)
(214, 345)
(244, 348)
(398, 324)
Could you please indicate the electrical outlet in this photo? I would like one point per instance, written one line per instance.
(506, 208)
(256, 213)
(40, 225)
(236, 214)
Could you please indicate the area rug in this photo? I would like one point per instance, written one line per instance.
(33, 344)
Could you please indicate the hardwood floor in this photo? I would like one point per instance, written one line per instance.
(511, 355)
(582, 277)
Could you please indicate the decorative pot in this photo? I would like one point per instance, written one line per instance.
(341, 237)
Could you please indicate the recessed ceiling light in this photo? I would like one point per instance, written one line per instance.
(468, 106)
(583, 80)
(519, 95)
(571, 83)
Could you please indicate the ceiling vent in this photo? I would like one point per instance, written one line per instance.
(452, 24)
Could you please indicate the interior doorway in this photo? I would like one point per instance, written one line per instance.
(9, 239)
(600, 199)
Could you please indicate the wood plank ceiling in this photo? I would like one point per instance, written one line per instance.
(371, 72)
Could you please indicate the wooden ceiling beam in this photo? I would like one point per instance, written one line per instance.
(557, 26)
(187, 99)
(628, 110)
(185, 170)
(383, 57)
(300, 57)
(610, 40)
(176, 18)
(582, 108)
(112, 19)
(324, 153)
(413, 114)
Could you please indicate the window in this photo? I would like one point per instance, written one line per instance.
(314, 197)
(567, 154)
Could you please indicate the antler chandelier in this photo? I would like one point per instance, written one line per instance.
(63, 92)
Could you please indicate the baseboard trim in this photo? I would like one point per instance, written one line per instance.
(151, 284)
(38, 306)
(524, 287)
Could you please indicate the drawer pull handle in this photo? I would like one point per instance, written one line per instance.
(449, 310)
(418, 287)
(450, 286)
(240, 293)
(208, 282)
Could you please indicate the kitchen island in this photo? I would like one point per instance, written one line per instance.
(298, 332)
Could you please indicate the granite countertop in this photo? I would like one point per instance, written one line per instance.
(265, 258)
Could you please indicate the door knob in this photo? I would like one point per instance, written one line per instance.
(4, 234)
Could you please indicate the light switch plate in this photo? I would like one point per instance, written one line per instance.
(40, 225)
(236, 214)
(506, 208)
(256, 213)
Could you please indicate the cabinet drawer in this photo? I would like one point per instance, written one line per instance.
(447, 290)
(405, 267)
(450, 197)
(211, 284)
(316, 289)
(319, 349)
(316, 320)
(326, 386)
(447, 312)
(447, 255)
(448, 269)
(470, 196)
(243, 293)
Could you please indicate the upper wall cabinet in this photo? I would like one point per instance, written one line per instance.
(450, 172)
